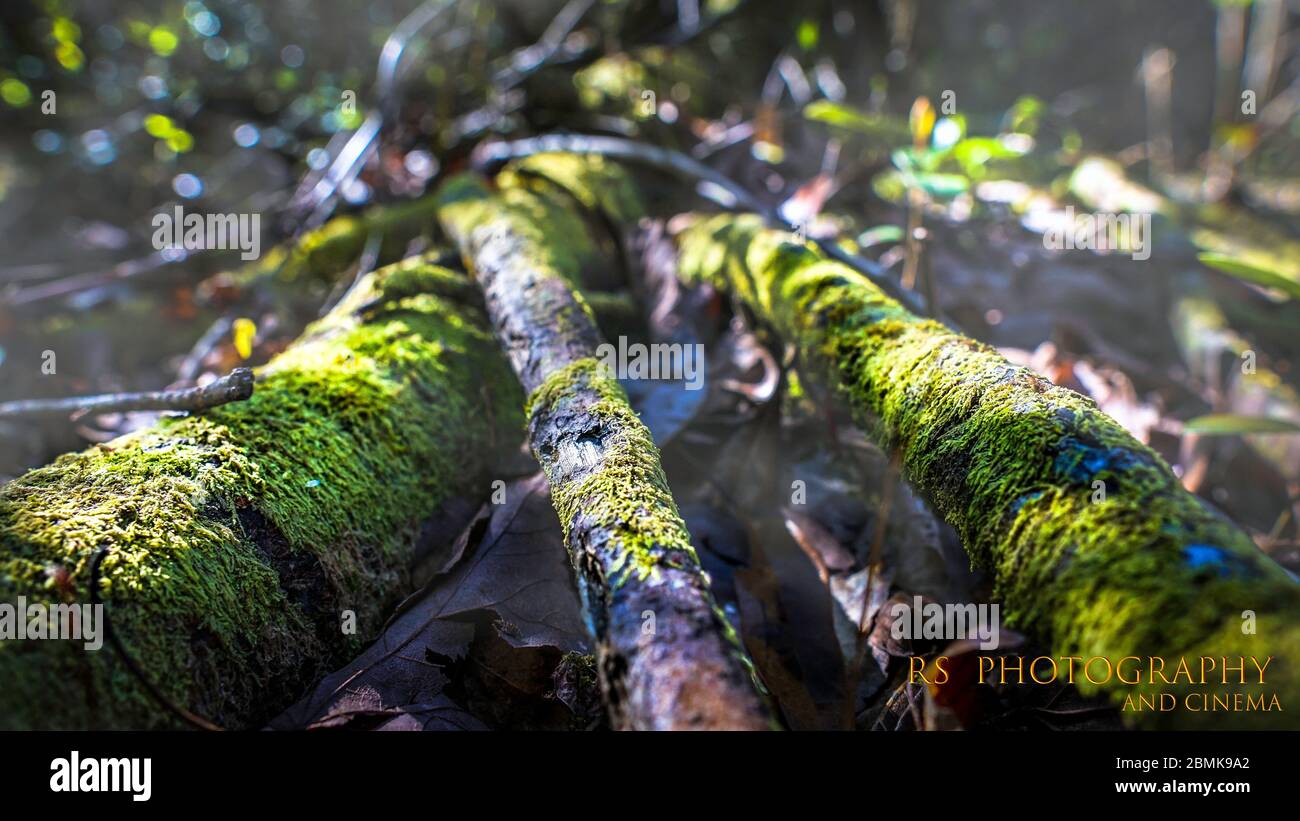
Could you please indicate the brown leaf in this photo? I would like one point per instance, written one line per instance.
(508, 603)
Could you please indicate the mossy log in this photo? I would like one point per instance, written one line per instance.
(237, 538)
(668, 658)
(321, 253)
(1095, 547)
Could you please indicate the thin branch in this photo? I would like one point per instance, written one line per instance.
(492, 154)
(188, 370)
(233, 387)
(79, 282)
(317, 193)
(528, 60)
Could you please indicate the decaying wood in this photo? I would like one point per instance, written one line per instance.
(668, 658)
(247, 550)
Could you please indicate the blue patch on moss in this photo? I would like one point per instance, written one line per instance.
(1222, 562)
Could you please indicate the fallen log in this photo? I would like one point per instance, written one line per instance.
(249, 549)
(1095, 547)
(323, 252)
(668, 658)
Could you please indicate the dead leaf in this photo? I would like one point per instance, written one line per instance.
(506, 611)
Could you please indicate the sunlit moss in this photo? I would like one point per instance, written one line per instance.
(550, 230)
(628, 495)
(600, 185)
(1095, 547)
(325, 252)
(353, 436)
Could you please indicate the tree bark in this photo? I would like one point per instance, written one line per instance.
(1095, 547)
(668, 658)
(237, 544)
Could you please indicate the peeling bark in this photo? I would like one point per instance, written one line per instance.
(239, 535)
(668, 658)
(1095, 547)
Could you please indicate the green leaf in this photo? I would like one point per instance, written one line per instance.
(1249, 272)
(1025, 114)
(880, 235)
(808, 35)
(891, 185)
(943, 186)
(842, 116)
(909, 160)
(1228, 424)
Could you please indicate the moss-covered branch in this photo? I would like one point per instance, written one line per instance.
(1095, 547)
(668, 657)
(323, 252)
(239, 536)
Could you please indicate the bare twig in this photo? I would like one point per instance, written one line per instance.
(316, 195)
(528, 60)
(1267, 25)
(491, 154)
(64, 286)
(369, 259)
(1157, 84)
(233, 387)
(188, 370)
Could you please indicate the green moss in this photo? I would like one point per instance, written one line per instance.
(1013, 463)
(353, 436)
(554, 235)
(628, 495)
(415, 277)
(632, 85)
(598, 184)
(324, 252)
